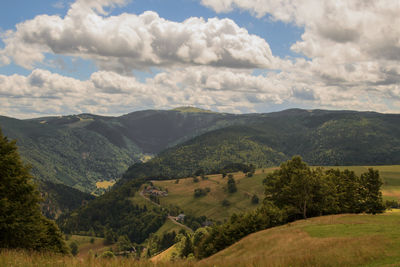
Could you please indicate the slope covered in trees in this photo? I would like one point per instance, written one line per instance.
(320, 137)
(114, 214)
(21, 223)
(59, 198)
(79, 150)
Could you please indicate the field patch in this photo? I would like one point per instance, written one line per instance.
(105, 184)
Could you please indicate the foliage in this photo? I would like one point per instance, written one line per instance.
(304, 192)
(320, 137)
(237, 167)
(199, 192)
(371, 193)
(59, 198)
(225, 203)
(158, 243)
(231, 185)
(74, 248)
(115, 214)
(296, 191)
(194, 222)
(221, 236)
(79, 150)
(21, 223)
(254, 199)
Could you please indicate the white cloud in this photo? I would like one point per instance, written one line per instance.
(352, 51)
(127, 41)
(353, 47)
(220, 89)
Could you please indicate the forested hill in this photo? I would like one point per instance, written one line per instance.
(320, 137)
(79, 150)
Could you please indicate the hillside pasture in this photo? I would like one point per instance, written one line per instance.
(182, 193)
(338, 240)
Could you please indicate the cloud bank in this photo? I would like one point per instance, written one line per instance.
(126, 42)
(349, 58)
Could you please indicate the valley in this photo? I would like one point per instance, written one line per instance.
(210, 176)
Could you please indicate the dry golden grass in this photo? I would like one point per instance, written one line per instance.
(340, 240)
(291, 245)
(105, 184)
(20, 258)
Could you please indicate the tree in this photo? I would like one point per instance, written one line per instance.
(371, 193)
(254, 199)
(293, 187)
(231, 185)
(74, 248)
(108, 237)
(21, 223)
(124, 244)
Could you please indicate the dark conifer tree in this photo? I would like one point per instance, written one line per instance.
(21, 223)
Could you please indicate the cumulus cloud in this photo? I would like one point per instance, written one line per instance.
(220, 89)
(350, 45)
(127, 41)
(351, 49)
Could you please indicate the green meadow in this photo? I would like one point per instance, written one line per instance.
(181, 194)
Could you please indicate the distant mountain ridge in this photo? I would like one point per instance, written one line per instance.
(79, 150)
(320, 137)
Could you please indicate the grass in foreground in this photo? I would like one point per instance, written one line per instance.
(17, 258)
(337, 240)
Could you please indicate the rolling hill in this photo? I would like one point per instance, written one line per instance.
(320, 137)
(79, 150)
(339, 240)
(102, 212)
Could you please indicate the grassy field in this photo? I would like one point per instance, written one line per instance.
(105, 184)
(338, 240)
(181, 194)
(16, 258)
(84, 245)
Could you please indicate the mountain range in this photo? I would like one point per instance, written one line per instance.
(80, 150)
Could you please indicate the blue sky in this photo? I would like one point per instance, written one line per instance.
(114, 56)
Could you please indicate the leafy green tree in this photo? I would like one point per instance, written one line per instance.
(187, 246)
(74, 248)
(254, 199)
(371, 192)
(108, 237)
(21, 223)
(124, 243)
(293, 187)
(231, 185)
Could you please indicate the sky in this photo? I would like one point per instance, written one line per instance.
(112, 57)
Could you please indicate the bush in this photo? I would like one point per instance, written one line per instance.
(226, 203)
(107, 255)
(254, 199)
(74, 248)
(231, 185)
